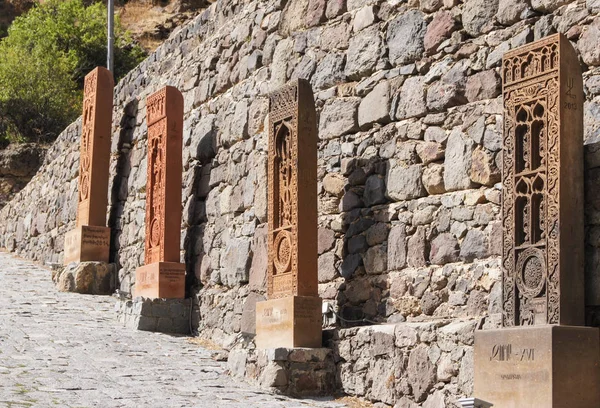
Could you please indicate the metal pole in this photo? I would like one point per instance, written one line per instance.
(111, 35)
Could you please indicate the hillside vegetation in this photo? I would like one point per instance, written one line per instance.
(47, 48)
(148, 22)
(43, 62)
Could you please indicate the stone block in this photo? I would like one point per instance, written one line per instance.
(364, 50)
(160, 280)
(405, 37)
(542, 367)
(298, 372)
(292, 321)
(145, 323)
(375, 107)
(248, 322)
(87, 243)
(277, 354)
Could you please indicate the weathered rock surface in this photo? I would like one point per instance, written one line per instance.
(90, 278)
(411, 101)
(478, 16)
(405, 37)
(338, 118)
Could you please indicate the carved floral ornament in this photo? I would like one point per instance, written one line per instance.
(89, 110)
(530, 210)
(156, 191)
(283, 182)
(156, 106)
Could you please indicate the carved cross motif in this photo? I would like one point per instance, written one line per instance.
(95, 148)
(542, 148)
(292, 192)
(163, 189)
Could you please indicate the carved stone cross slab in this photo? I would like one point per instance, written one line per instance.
(292, 262)
(90, 240)
(292, 315)
(541, 358)
(542, 196)
(163, 276)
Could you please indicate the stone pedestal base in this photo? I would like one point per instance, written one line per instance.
(298, 372)
(87, 243)
(538, 367)
(156, 315)
(293, 321)
(91, 278)
(160, 280)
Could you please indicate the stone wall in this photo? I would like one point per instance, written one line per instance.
(18, 164)
(407, 365)
(410, 125)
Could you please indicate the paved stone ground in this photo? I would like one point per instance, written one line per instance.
(68, 350)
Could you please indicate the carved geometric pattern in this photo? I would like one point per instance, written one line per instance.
(164, 115)
(530, 197)
(87, 128)
(94, 150)
(292, 268)
(155, 192)
(156, 106)
(282, 278)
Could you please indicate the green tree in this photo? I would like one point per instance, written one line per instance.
(43, 62)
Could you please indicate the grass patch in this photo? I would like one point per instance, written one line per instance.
(205, 343)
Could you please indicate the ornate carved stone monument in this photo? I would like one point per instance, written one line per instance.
(292, 315)
(163, 276)
(537, 360)
(90, 240)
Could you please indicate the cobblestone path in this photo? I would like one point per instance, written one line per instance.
(68, 350)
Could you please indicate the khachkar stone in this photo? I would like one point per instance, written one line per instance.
(90, 240)
(541, 358)
(542, 200)
(163, 276)
(291, 317)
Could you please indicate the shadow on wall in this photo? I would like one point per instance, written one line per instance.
(592, 233)
(365, 244)
(395, 264)
(201, 144)
(422, 256)
(120, 183)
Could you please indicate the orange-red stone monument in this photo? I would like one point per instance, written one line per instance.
(543, 357)
(291, 317)
(90, 240)
(163, 276)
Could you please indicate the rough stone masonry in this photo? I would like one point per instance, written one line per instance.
(410, 122)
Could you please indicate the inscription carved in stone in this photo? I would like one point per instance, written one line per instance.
(292, 265)
(542, 195)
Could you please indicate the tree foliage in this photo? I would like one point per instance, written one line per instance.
(43, 62)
